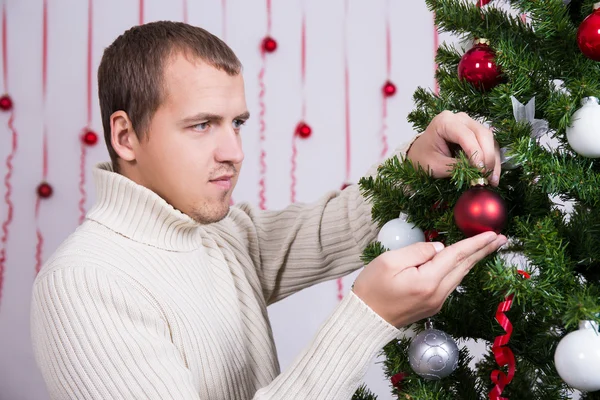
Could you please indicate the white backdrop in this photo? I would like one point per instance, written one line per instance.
(321, 159)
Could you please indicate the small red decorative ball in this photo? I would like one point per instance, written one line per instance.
(480, 210)
(44, 190)
(6, 103)
(478, 67)
(389, 89)
(588, 35)
(303, 130)
(90, 138)
(269, 44)
(431, 235)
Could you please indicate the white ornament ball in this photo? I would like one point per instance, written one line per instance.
(398, 233)
(584, 132)
(577, 358)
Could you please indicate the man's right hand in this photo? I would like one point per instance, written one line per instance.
(406, 285)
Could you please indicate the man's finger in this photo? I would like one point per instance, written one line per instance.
(453, 279)
(452, 256)
(495, 178)
(412, 256)
(442, 166)
(485, 137)
(457, 132)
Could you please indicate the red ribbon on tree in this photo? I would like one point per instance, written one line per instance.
(504, 355)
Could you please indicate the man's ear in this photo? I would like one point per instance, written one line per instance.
(123, 138)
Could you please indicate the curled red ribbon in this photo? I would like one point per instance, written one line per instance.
(504, 355)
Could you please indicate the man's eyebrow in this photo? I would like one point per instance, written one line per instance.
(243, 116)
(203, 116)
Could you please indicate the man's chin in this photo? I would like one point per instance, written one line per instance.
(212, 216)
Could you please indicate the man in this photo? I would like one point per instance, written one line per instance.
(162, 292)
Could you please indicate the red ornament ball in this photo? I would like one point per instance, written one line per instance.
(389, 89)
(90, 138)
(431, 235)
(269, 44)
(303, 130)
(44, 190)
(480, 210)
(588, 35)
(478, 66)
(6, 103)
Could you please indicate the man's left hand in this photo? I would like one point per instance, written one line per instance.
(431, 150)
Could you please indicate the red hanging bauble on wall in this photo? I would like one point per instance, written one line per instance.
(303, 130)
(44, 190)
(269, 44)
(90, 138)
(588, 35)
(479, 210)
(389, 89)
(481, 3)
(478, 66)
(6, 103)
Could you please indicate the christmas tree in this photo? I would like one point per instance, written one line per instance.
(532, 73)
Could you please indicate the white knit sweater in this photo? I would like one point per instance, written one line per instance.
(141, 302)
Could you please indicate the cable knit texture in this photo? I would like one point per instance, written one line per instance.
(142, 302)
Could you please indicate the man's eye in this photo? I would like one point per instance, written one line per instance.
(201, 126)
(237, 123)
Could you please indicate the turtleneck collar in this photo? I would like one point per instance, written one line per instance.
(139, 214)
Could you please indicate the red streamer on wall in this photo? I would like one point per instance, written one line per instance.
(9, 166)
(40, 237)
(262, 126)
(88, 127)
(388, 64)
(224, 20)
(340, 282)
(141, 12)
(303, 112)
(185, 11)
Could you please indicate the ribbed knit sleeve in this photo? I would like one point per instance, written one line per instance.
(305, 244)
(95, 337)
(333, 365)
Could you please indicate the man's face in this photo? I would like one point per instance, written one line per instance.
(191, 154)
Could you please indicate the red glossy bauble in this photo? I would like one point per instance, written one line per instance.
(479, 210)
(6, 103)
(90, 138)
(588, 35)
(431, 235)
(44, 190)
(389, 89)
(303, 130)
(269, 44)
(478, 66)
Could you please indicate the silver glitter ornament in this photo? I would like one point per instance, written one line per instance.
(433, 354)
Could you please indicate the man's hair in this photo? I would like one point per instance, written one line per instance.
(131, 73)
